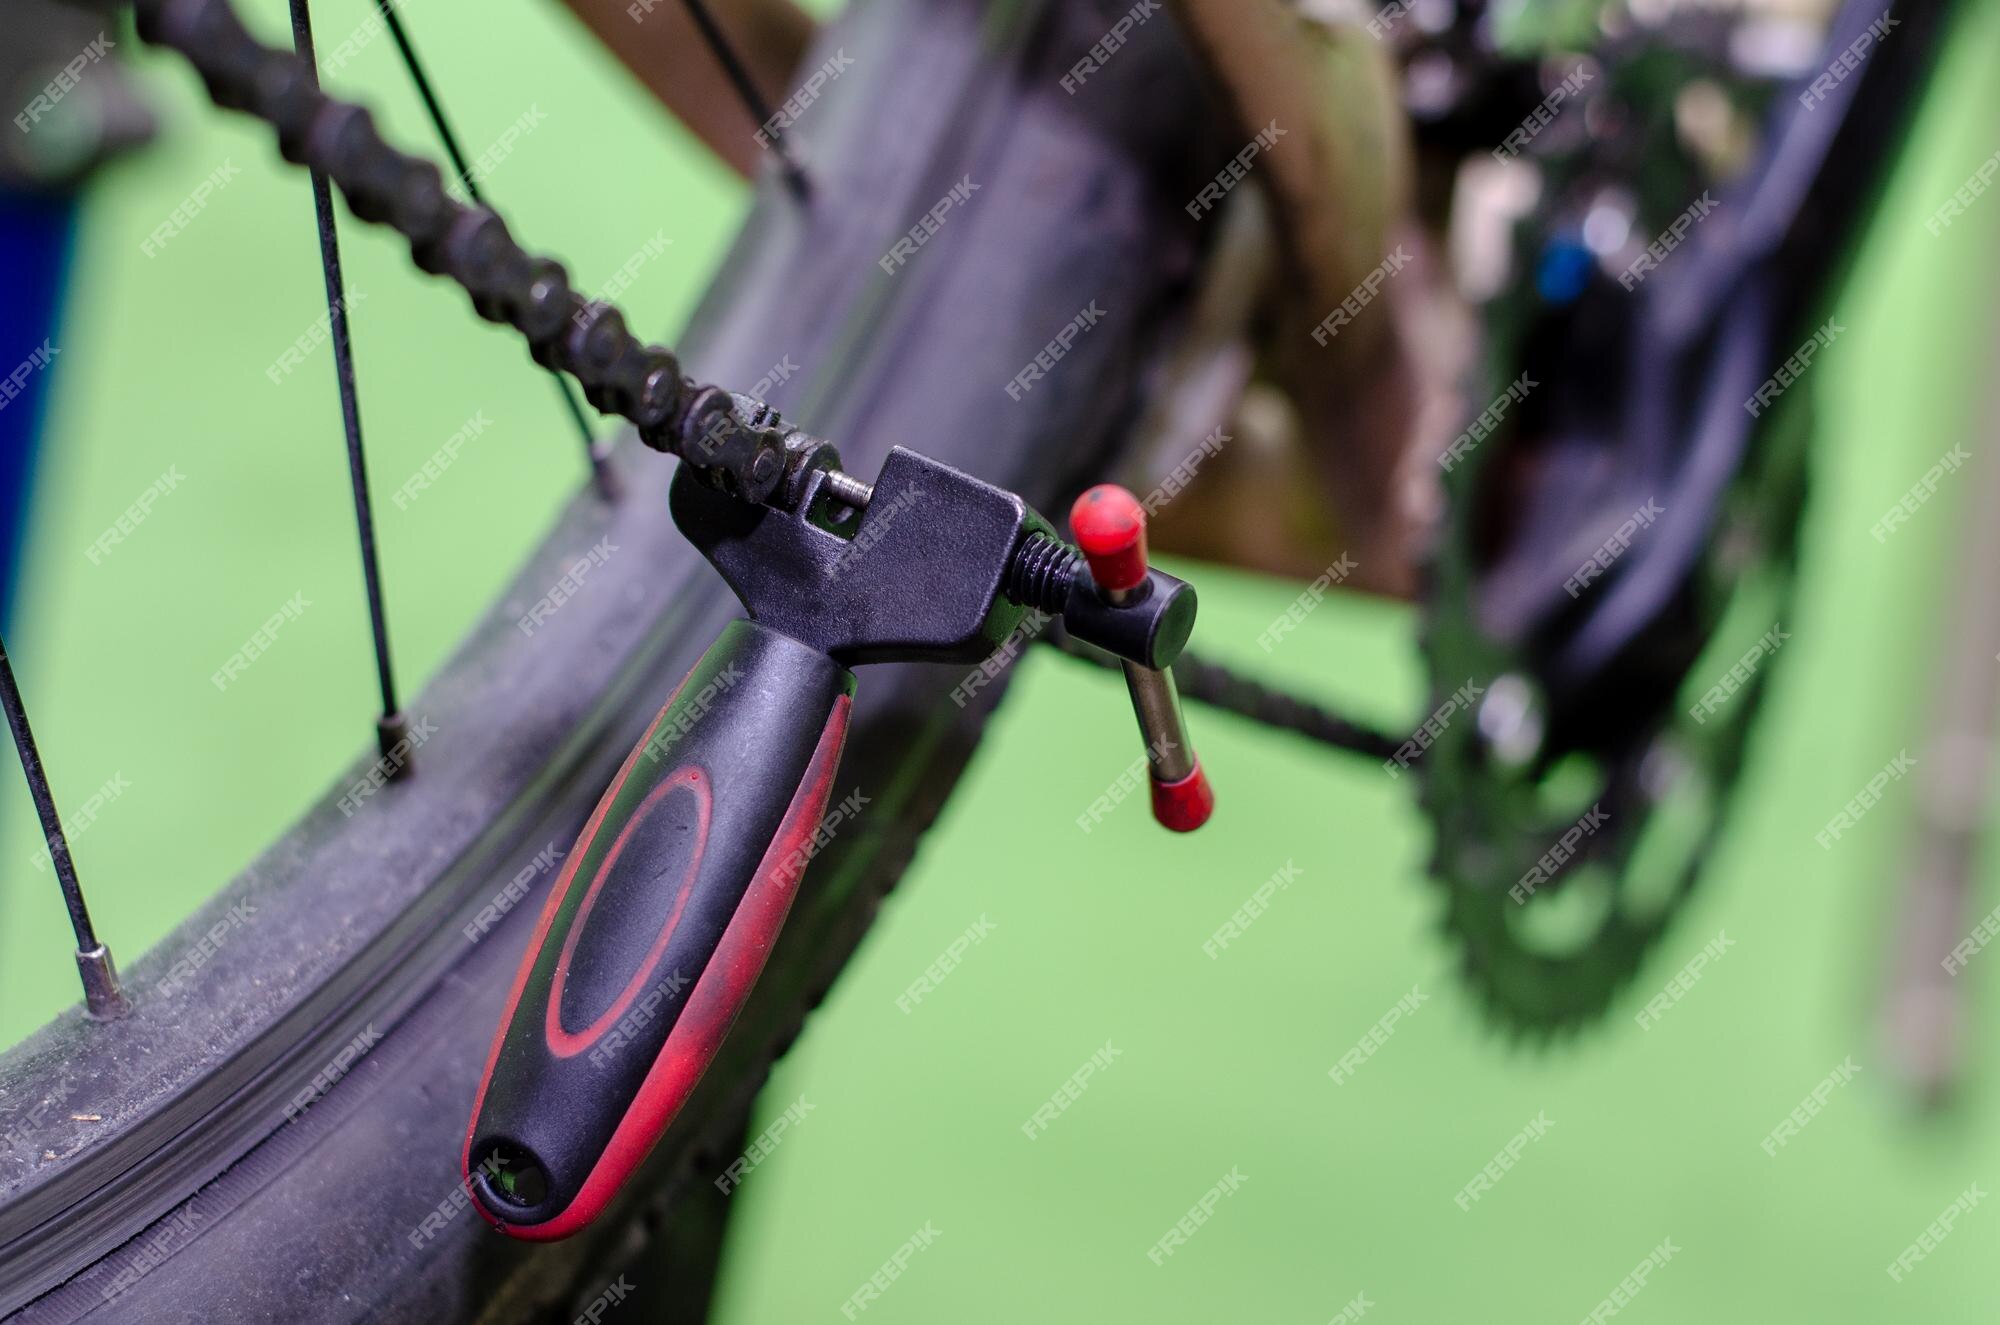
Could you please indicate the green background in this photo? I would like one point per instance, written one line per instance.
(1222, 1063)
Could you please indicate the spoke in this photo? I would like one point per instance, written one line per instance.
(391, 727)
(746, 88)
(600, 472)
(103, 998)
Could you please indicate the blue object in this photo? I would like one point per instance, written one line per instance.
(35, 239)
(1564, 269)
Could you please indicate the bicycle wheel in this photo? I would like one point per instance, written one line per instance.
(246, 1164)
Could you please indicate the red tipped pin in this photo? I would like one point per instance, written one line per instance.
(1110, 528)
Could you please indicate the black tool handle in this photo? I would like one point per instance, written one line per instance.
(657, 929)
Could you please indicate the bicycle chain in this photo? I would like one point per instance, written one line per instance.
(586, 338)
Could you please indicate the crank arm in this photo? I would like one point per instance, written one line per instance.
(656, 931)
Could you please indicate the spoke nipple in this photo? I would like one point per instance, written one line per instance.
(103, 998)
(392, 737)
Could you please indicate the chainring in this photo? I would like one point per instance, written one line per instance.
(1570, 828)
(1643, 815)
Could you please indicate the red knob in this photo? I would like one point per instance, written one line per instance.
(1110, 527)
(1185, 805)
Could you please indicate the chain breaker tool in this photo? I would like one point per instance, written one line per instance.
(673, 896)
